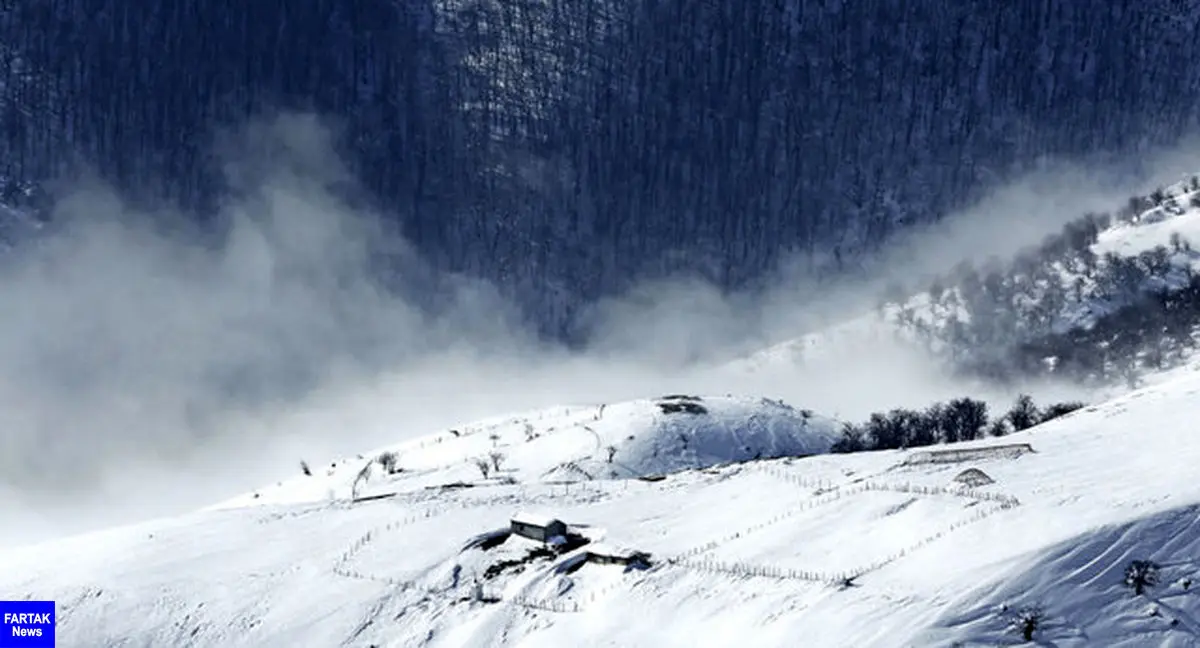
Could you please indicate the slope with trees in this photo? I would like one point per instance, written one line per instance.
(1063, 309)
(566, 149)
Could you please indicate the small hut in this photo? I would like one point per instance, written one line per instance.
(973, 477)
(537, 527)
(608, 555)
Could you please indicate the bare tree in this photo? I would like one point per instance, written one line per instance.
(496, 458)
(612, 452)
(388, 461)
(305, 469)
(484, 467)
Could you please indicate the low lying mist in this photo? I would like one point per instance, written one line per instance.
(146, 370)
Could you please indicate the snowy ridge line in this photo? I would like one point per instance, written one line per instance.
(466, 433)
(579, 492)
(575, 450)
(480, 427)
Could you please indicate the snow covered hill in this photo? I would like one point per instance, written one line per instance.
(898, 548)
(643, 438)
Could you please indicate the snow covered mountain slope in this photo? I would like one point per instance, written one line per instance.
(1086, 286)
(823, 345)
(568, 444)
(876, 549)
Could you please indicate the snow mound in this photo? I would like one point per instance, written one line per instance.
(636, 439)
(677, 433)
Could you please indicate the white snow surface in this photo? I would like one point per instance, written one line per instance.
(534, 519)
(569, 444)
(829, 550)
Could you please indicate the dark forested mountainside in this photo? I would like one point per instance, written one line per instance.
(566, 148)
(1061, 309)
